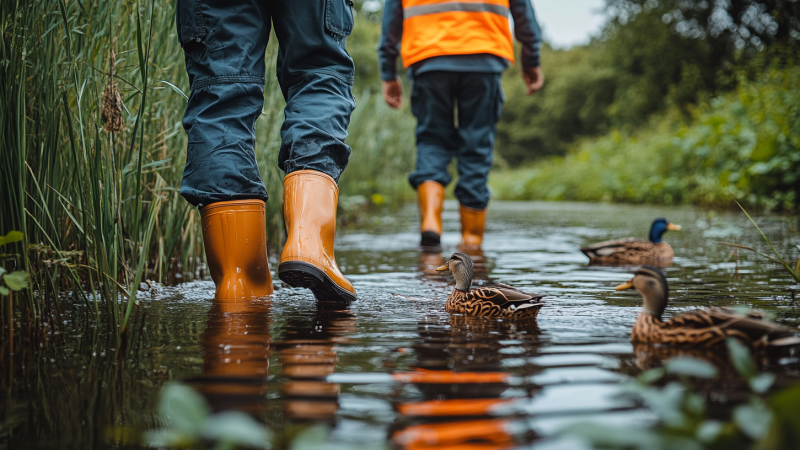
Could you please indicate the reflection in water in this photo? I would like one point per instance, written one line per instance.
(307, 354)
(236, 350)
(77, 388)
(464, 386)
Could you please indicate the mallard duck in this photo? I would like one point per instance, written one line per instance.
(635, 251)
(701, 328)
(498, 300)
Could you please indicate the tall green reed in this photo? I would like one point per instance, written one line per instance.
(92, 153)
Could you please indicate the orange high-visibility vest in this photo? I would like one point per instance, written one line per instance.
(445, 27)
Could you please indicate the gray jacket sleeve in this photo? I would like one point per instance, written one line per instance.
(526, 30)
(391, 35)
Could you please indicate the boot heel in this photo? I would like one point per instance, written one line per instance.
(304, 275)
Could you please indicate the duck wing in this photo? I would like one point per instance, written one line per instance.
(506, 296)
(606, 248)
(752, 325)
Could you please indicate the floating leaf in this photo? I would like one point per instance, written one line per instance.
(691, 367)
(4, 290)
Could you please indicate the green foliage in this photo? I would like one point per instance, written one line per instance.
(17, 280)
(682, 413)
(189, 423)
(745, 142)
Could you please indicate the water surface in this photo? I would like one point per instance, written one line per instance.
(395, 366)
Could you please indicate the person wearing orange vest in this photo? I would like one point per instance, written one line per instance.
(455, 53)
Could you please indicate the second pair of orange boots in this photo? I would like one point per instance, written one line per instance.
(235, 240)
(431, 203)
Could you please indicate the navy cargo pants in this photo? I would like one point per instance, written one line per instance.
(224, 42)
(477, 98)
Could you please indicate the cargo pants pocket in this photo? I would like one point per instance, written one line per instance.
(339, 17)
(189, 22)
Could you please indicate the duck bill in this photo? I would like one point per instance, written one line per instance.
(673, 227)
(443, 268)
(625, 286)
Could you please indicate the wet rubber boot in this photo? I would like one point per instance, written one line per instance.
(473, 224)
(235, 239)
(431, 201)
(309, 202)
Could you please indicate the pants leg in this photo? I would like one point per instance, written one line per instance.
(432, 102)
(224, 43)
(315, 73)
(480, 101)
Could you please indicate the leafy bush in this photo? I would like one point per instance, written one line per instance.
(746, 142)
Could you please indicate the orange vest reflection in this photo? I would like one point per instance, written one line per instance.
(459, 374)
(307, 354)
(236, 350)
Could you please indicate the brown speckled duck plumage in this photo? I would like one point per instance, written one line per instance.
(498, 300)
(632, 251)
(702, 328)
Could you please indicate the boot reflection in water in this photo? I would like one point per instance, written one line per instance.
(236, 350)
(459, 373)
(307, 356)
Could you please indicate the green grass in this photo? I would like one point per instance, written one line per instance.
(98, 203)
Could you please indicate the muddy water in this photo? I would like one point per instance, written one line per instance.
(395, 366)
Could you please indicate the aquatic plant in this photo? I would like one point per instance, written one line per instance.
(764, 423)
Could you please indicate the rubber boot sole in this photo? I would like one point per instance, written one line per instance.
(430, 239)
(305, 275)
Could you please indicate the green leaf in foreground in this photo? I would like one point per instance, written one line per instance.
(184, 407)
(691, 367)
(17, 281)
(11, 237)
(741, 359)
(4, 290)
(754, 419)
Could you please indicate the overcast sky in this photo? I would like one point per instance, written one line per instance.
(569, 22)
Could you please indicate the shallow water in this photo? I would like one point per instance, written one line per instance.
(395, 366)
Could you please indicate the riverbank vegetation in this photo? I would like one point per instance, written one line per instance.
(746, 142)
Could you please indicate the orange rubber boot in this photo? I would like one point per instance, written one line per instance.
(235, 239)
(309, 208)
(431, 200)
(473, 224)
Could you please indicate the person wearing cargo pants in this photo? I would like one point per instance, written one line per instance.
(455, 53)
(224, 43)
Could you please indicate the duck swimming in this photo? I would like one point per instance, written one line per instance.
(702, 328)
(498, 300)
(631, 251)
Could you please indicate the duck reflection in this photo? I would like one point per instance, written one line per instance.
(236, 350)
(307, 354)
(466, 398)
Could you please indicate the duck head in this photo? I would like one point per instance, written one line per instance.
(659, 227)
(652, 286)
(462, 268)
